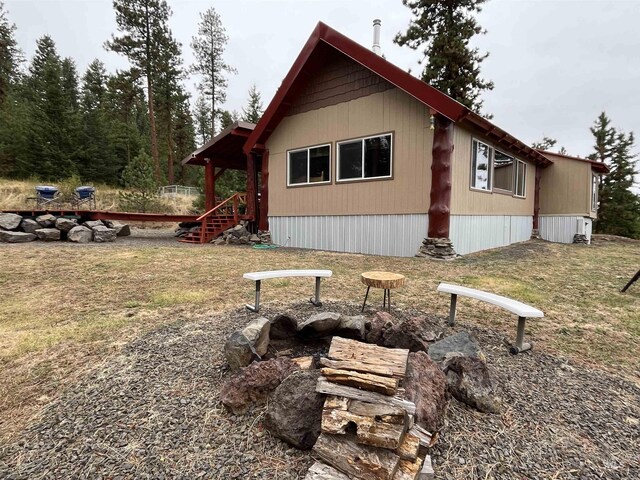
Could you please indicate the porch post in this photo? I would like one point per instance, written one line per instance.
(263, 224)
(251, 186)
(439, 210)
(209, 184)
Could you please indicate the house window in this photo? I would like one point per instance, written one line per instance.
(503, 171)
(521, 179)
(309, 165)
(481, 166)
(595, 183)
(365, 158)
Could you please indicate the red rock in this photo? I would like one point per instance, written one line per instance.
(426, 386)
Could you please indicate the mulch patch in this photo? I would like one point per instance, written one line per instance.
(152, 411)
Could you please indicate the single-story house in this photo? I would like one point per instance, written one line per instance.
(353, 154)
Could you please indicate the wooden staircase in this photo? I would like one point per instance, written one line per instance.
(221, 217)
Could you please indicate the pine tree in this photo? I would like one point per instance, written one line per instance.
(547, 143)
(208, 47)
(143, 25)
(10, 54)
(228, 118)
(619, 206)
(202, 118)
(139, 178)
(443, 29)
(254, 109)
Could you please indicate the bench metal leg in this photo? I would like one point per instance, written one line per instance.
(316, 301)
(256, 307)
(520, 346)
(365, 299)
(452, 310)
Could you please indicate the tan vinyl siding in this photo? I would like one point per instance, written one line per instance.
(388, 111)
(565, 188)
(465, 201)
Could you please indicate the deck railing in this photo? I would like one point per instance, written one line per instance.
(230, 206)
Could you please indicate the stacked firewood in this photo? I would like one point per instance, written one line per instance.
(368, 429)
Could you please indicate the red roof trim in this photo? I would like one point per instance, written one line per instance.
(595, 165)
(414, 87)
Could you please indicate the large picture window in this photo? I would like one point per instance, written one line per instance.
(481, 166)
(492, 169)
(365, 158)
(310, 165)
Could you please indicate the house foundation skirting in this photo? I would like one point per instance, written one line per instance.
(472, 233)
(389, 235)
(566, 228)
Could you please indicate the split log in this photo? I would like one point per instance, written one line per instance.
(363, 354)
(364, 381)
(375, 409)
(356, 460)
(305, 363)
(427, 472)
(408, 469)
(408, 449)
(426, 439)
(328, 388)
(382, 370)
(320, 471)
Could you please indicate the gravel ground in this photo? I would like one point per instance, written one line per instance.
(152, 411)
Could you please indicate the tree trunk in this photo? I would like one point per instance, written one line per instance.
(169, 149)
(439, 210)
(152, 126)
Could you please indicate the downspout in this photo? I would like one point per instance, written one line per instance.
(535, 233)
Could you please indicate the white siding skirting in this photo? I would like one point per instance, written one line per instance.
(472, 233)
(390, 235)
(557, 228)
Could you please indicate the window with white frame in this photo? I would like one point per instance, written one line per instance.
(365, 158)
(503, 171)
(307, 166)
(521, 179)
(595, 183)
(481, 166)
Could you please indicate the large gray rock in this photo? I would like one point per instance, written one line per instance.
(29, 225)
(283, 326)
(122, 229)
(48, 234)
(352, 327)
(80, 234)
(254, 383)
(66, 224)
(319, 325)
(93, 223)
(426, 386)
(46, 221)
(248, 344)
(413, 334)
(462, 342)
(239, 231)
(102, 234)
(16, 237)
(294, 413)
(470, 382)
(10, 221)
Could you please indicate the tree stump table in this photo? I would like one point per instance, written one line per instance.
(384, 280)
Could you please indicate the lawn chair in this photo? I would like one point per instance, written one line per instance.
(47, 196)
(84, 196)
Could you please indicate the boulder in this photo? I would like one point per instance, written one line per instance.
(46, 221)
(462, 342)
(254, 238)
(283, 326)
(239, 231)
(470, 383)
(93, 223)
(122, 229)
(48, 234)
(352, 327)
(80, 234)
(102, 234)
(376, 326)
(294, 413)
(426, 386)
(413, 334)
(29, 225)
(10, 221)
(66, 224)
(218, 241)
(16, 237)
(319, 325)
(254, 383)
(243, 346)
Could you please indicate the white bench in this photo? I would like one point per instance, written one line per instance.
(259, 276)
(522, 310)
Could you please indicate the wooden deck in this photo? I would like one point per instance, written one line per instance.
(106, 215)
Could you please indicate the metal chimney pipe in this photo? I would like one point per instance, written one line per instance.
(376, 37)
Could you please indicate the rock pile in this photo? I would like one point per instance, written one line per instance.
(17, 229)
(581, 239)
(437, 248)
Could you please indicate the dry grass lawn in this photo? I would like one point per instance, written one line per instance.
(65, 307)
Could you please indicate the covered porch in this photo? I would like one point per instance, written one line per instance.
(225, 152)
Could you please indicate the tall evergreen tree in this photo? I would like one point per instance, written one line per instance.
(203, 119)
(143, 25)
(442, 30)
(228, 118)
(254, 109)
(10, 54)
(619, 206)
(208, 47)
